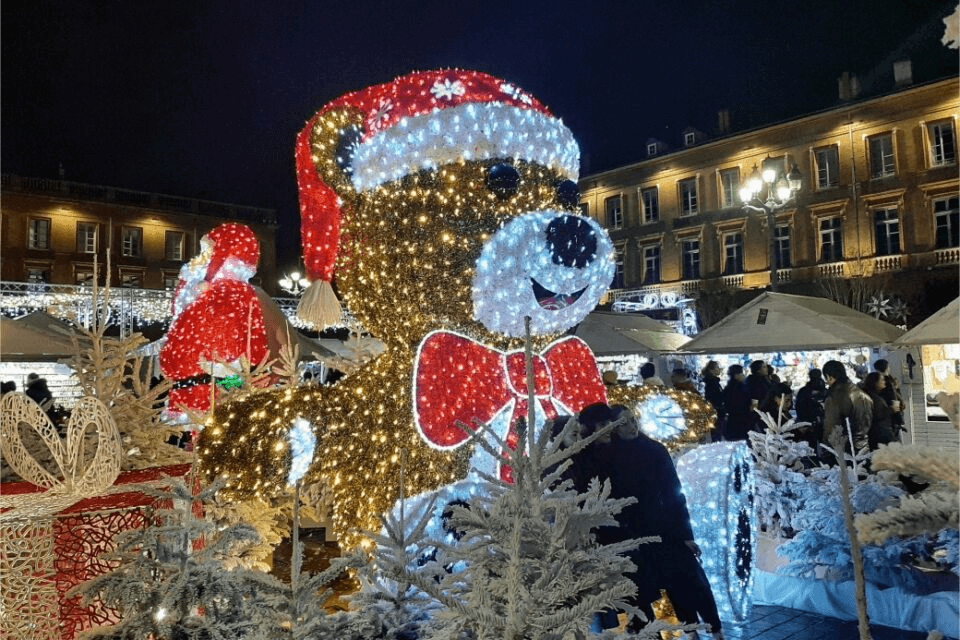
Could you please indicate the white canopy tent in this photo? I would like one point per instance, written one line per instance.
(24, 342)
(943, 327)
(610, 333)
(785, 322)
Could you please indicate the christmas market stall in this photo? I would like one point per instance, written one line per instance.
(804, 555)
(38, 343)
(794, 334)
(623, 342)
(932, 393)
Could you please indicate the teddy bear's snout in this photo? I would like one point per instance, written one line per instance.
(571, 241)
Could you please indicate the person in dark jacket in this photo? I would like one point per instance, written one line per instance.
(638, 466)
(38, 391)
(847, 411)
(809, 406)
(891, 395)
(881, 426)
(758, 382)
(736, 403)
(713, 393)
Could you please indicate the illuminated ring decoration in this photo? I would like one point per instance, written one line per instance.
(717, 480)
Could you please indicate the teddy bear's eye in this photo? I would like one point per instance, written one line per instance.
(568, 193)
(347, 146)
(503, 180)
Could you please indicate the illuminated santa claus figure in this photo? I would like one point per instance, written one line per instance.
(218, 318)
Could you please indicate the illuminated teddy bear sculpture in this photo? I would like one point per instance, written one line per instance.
(446, 205)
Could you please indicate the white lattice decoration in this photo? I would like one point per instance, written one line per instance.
(77, 477)
(30, 601)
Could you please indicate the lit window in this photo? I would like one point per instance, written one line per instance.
(782, 242)
(651, 204)
(688, 197)
(174, 246)
(614, 209)
(881, 156)
(691, 259)
(86, 237)
(618, 272)
(831, 240)
(131, 242)
(943, 145)
(732, 253)
(651, 264)
(39, 233)
(947, 212)
(828, 167)
(131, 279)
(729, 187)
(37, 275)
(887, 224)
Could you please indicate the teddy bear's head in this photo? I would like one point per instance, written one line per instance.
(448, 199)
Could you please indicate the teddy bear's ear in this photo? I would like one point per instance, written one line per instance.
(333, 140)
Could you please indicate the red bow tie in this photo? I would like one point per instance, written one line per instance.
(457, 379)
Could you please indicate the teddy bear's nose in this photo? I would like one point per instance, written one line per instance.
(572, 242)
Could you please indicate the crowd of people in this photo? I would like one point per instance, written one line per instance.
(874, 407)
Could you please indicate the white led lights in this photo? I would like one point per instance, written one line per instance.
(717, 481)
(465, 132)
(517, 259)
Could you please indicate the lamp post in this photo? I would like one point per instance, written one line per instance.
(768, 192)
(293, 283)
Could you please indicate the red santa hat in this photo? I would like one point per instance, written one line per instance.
(232, 241)
(419, 121)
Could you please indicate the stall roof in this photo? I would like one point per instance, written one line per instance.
(21, 342)
(623, 333)
(785, 322)
(943, 327)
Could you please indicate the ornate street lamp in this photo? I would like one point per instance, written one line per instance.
(294, 283)
(768, 192)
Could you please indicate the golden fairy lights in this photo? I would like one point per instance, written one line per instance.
(397, 185)
(411, 274)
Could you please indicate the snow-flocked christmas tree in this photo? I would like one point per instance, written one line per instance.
(526, 564)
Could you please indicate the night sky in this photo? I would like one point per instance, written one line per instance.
(204, 99)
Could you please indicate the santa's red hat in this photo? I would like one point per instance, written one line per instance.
(232, 241)
(419, 121)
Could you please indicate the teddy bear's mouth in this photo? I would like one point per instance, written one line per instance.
(553, 301)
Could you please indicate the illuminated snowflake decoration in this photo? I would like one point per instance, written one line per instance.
(381, 114)
(899, 311)
(447, 90)
(661, 417)
(879, 305)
